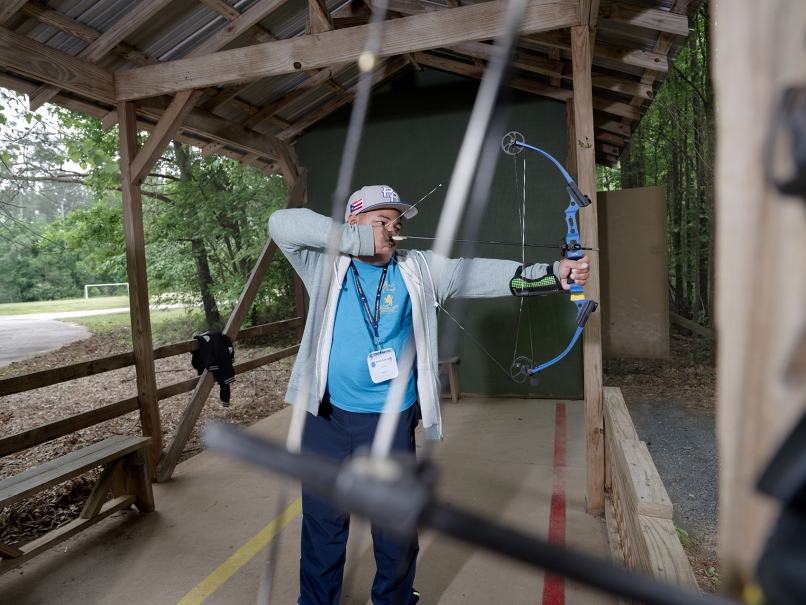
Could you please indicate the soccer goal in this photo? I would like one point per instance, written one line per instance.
(111, 288)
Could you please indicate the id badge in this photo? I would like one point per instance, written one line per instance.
(382, 365)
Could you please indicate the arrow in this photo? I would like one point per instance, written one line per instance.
(400, 238)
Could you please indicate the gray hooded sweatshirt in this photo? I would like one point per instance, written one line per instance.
(303, 236)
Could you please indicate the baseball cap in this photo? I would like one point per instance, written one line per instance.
(374, 197)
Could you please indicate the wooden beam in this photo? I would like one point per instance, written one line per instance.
(321, 21)
(9, 8)
(288, 166)
(617, 108)
(289, 97)
(138, 286)
(620, 85)
(606, 148)
(553, 68)
(9, 552)
(211, 126)
(589, 233)
(612, 126)
(389, 69)
(662, 46)
(101, 490)
(236, 27)
(693, 326)
(588, 12)
(608, 137)
(605, 50)
(41, 62)
(143, 12)
(60, 534)
(190, 416)
(225, 95)
(59, 428)
(167, 127)
(571, 159)
(641, 16)
(98, 49)
(410, 34)
(760, 55)
(230, 14)
(101, 113)
(555, 54)
(474, 71)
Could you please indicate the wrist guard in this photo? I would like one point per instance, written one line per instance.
(548, 284)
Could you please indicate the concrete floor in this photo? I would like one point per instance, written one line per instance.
(496, 459)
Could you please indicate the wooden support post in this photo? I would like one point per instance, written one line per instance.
(190, 416)
(101, 490)
(138, 287)
(589, 233)
(133, 479)
(759, 320)
(571, 161)
(165, 130)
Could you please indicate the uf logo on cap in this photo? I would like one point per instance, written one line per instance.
(390, 193)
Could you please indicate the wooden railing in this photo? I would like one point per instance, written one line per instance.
(694, 327)
(639, 511)
(58, 428)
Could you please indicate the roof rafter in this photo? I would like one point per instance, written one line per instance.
(552, 92)
(409, 34)
(641, 16)
(391, 68)
(96, 51)
(555, 68)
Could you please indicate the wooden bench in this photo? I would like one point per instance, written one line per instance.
(124, 472)
(453, 375)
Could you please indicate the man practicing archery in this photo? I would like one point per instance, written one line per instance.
(380, 302)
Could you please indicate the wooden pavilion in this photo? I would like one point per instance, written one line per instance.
(247, 80)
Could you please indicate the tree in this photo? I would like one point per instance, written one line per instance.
(674, 146)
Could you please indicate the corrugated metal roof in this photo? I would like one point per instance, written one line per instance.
(182, 25)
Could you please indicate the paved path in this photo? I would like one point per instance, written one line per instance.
(23, 338)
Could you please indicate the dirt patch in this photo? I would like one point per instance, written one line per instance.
(673, 403)
(255, 395)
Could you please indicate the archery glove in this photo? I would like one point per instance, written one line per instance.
(522, 286)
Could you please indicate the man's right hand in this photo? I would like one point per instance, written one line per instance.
(384, 244)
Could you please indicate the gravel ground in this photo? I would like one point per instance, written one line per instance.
(672, 404)
(683, 445)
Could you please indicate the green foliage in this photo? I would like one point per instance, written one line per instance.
(674, 147)
(205, 219)
(712, 574)
(684, 538)
(61, 217)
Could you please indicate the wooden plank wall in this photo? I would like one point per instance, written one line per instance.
(761, 307)
(639, 510)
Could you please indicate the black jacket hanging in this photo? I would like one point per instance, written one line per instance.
(217, 355)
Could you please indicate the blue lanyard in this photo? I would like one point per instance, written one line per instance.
(373, 321)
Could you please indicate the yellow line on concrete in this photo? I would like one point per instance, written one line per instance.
(209, 585)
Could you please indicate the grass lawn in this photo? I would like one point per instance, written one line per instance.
(68, 304)
(113, 321)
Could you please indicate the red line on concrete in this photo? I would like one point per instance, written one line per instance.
(554, 585)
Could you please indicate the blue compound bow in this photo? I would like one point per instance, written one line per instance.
(522, 367)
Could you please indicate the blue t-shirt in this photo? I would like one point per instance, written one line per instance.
(349, 385)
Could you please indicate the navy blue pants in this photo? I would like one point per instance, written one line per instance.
(338, 434)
